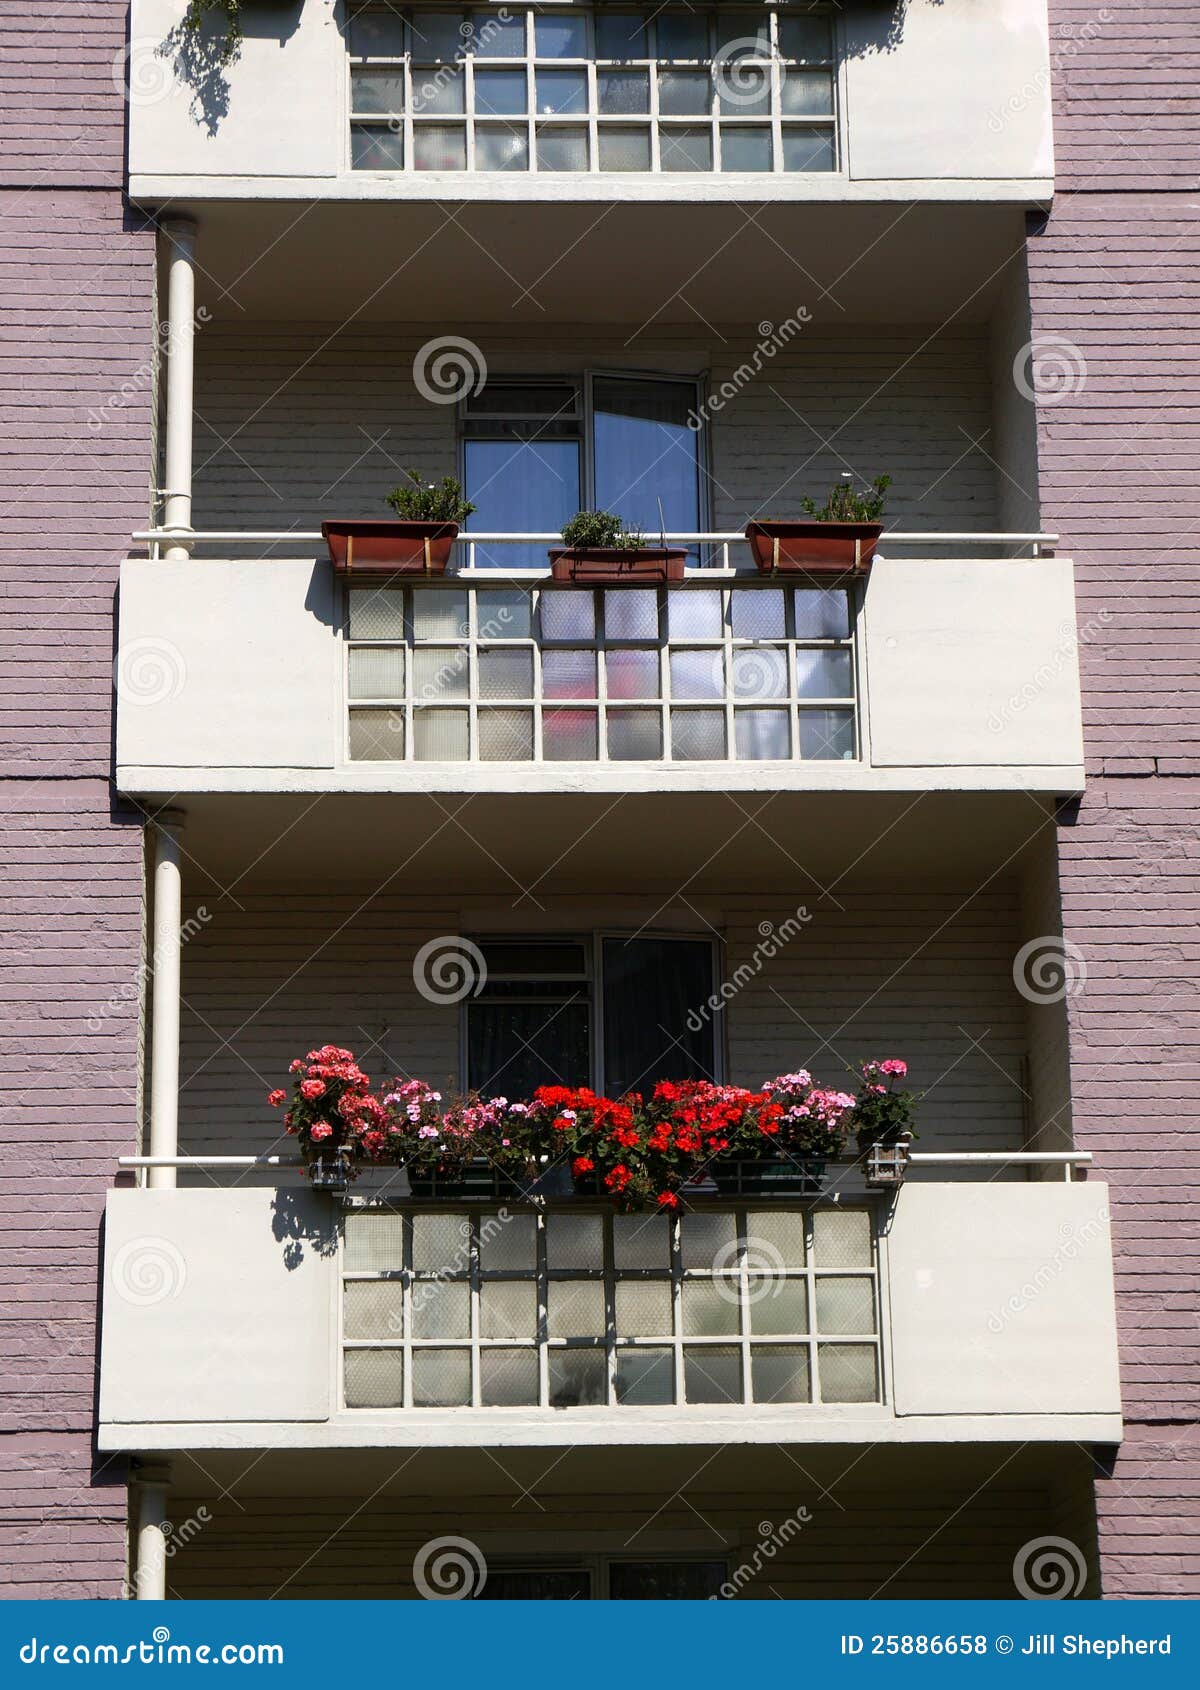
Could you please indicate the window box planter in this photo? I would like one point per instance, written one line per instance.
(614, 565)
(770, 1176)
(804, 546)
(374, 547)
(479, 1179)
(884, 1156)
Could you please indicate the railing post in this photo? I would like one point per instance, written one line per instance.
(150, 1573)
(164, 976)
(180, 234)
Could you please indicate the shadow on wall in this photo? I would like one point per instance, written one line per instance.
(298, 1218)
(201, 54)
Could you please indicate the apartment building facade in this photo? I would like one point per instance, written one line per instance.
(490, 829)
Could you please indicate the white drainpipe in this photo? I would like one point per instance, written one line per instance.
(165, 963)
(150, 1577)
(180, 236)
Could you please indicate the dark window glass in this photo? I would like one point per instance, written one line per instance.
(650, 988)
(514, 1047)
(536, 1584)
(665, 1581)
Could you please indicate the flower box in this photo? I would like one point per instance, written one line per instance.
(770, 1176)
(616, 565)
(810, 547)
(330, 1170)
(381, 547)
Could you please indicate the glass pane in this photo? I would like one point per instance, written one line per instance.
(847, 1372)
(709, 1240)
(377, 91)
(560, 35)
(645, 1377)
(842, 1238)
(374, 147)
(827, 734)
(377, 736)
(575, 1308)
(561, 147)
(778, 1305)
(561, 92)
(624, 149)
(646, 452)
(438, 93)
(621, 91)
(745, 149)
(760, 673)
(533, 961)
(685, 93)
(441, 736)
(695, 613)
(743, 88)
(780, 1373)
(805, 38)
(620, 35)
(569, 674)
(374, 1243)
(377, 672)
(505, 736)
(440, 146)
(742, 34)
(632, 674)
(697, 674)
(567, 616)
(441, 1308)
(824, 674)
(378, 34)
(504, 615)
(762, 735)
(508, 1378)
(641, 1241)
(712, 1373)
(682, 35)
(710, 1310)
(697, 735)
(440, 672)
(376, 1310)
(441, 1378)
(684, 147)
(821, 613)
(650, 988)
(578, 1378)
(807, 93)
(775, 1240)
(631, 613)
(374, 1379)
(808, 149)
(438, 35)
(845, 1305)
(512, 1048)
(506, 674)
(643, 1310)
(634, 736)
(498, 35)
(507, 1243)
(570, 736)
(377, 613)
(522, 487)
(439, 613)
(757, 613)
(666, 1581)
(508, 1311)
(574, 1241)
(497, 147)
(500, 93)
(541, 1584)
(441, 1243)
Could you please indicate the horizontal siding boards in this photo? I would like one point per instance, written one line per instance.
(299, 423)
(925, 975)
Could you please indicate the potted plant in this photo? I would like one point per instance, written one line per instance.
(837, 539)
(333, 1114)
(597, 547)
(419, 543)
(790, 1131)
(461, 1147)
(883, 1121)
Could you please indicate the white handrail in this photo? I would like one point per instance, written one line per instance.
(210, 536)
(209, 1162)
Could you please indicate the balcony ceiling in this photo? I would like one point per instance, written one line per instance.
(636, 264)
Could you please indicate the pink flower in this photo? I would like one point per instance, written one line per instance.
(893, 1065)
(275, 1098)
(321, 1131)
(312, 1088)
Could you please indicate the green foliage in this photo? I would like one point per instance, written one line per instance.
(846, 504)
(589, 530)
(229, 10)
(429, 501)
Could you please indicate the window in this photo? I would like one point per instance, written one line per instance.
(543, 89)
(746, 671)
(602, 1577)
(544, 1008)
(527, 466)
(580, 1308)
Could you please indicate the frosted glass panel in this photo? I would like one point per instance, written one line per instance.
(624, 149)
(441, 94)
(762, 735)
(377, 613)
(374, 1243)
(697, 674)
(845, 1305)
(821, 613)
(578, 1378)
(567, 616)
(499, 93)
(508, 1311)
(804, 38)
(377, 736)
(374, 1379)
(507, 1244)
(374, 1309)
(775, 1239)
(712, 1373)
(684, 93)
(574, 1241)
(632, 674)
(439, 613)
(710, 1311)
(780, 1374)
(827, 734)
(440, 146)
(807, 93)
(634, 735)
(695, 613)
(620, 35)
(379, 91)
(569, 674)
(560, 92)
(441, 1309)
(508, 1378)
(561, 147)
(824, 674)
(441, 1243)
(847, 1372)
(373, 147)
(682, 147)
(761, 672)
(505, 674)
(645, 1377)
(576, 1308)
(504, 615)
(643, 1309)
(377, 34)
(842, 1238)
(621, 91)
(440, 672)
(441, 736)
(697, 735)
(709, 1240)
(438, 34)
(757, 613)
(570, 736)
(441, 1378)
(631, 613)
(500, 147)
(641, 1241)
(505, 736)
(808, 149)
(561, 35)
(377, 672)
(778, 1305)
(746, 149)
(498, 34)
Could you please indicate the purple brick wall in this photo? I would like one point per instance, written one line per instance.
(77, 314)
(1113, 273)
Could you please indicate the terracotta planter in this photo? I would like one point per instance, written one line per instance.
(390, 548)
(769, 1176)
(614, 565)
(805, 547)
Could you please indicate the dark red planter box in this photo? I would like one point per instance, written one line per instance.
(813, 548)
(612, 565)
(390, 548)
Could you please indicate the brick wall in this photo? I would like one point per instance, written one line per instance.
(77, 307)
(1113, 273)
